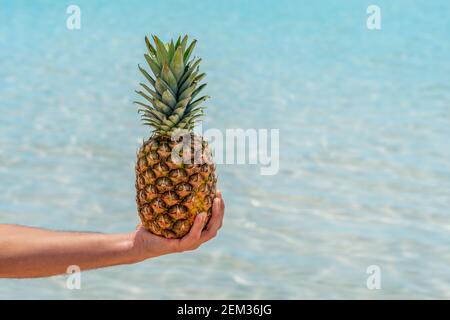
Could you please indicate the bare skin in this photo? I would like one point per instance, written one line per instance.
(27, 252)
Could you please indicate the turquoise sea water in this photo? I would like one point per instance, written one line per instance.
(364, 119)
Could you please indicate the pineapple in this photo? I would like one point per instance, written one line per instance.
(169, 192)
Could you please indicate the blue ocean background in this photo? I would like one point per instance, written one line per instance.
(364, 119)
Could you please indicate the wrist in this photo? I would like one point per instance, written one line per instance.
(134, 248)
(127, 249)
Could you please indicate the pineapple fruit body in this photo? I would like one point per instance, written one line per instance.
(169, 192)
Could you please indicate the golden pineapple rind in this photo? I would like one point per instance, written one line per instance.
(169, 195)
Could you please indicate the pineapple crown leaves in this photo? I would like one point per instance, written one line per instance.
(170, 102)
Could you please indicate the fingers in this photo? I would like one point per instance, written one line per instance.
(216, 220)
(192, 240)
(196, 236)
(219, 195)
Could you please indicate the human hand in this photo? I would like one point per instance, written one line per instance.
(147, 245)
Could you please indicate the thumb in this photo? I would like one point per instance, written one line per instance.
(139, 226)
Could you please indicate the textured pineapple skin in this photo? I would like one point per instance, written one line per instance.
(169, 195)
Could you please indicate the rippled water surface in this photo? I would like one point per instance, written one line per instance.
(364, 119)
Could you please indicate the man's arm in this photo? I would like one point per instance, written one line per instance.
(31, 252)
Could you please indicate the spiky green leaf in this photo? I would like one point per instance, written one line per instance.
(169, 99)
(161, 106)
(174, 118)
(153, 65)
(177, 64)
(161, 51)
(180, 111)
(189, 50)
(161, 86)
(147, 76)
(182, 103)
(178, 42)
(159, 115)
(146, 97)
(168, 123)
(150, 48)
(188, 82)
(199, 77)
(191, 67)
(171, 50)
(184, 43)
(197, 91)
(150, 91)
(168, 77)
(197, 102)
(187, 92)
(143, 105)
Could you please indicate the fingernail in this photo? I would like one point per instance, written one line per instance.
(202, 216)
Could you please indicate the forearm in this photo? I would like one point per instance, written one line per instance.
(31, 252)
